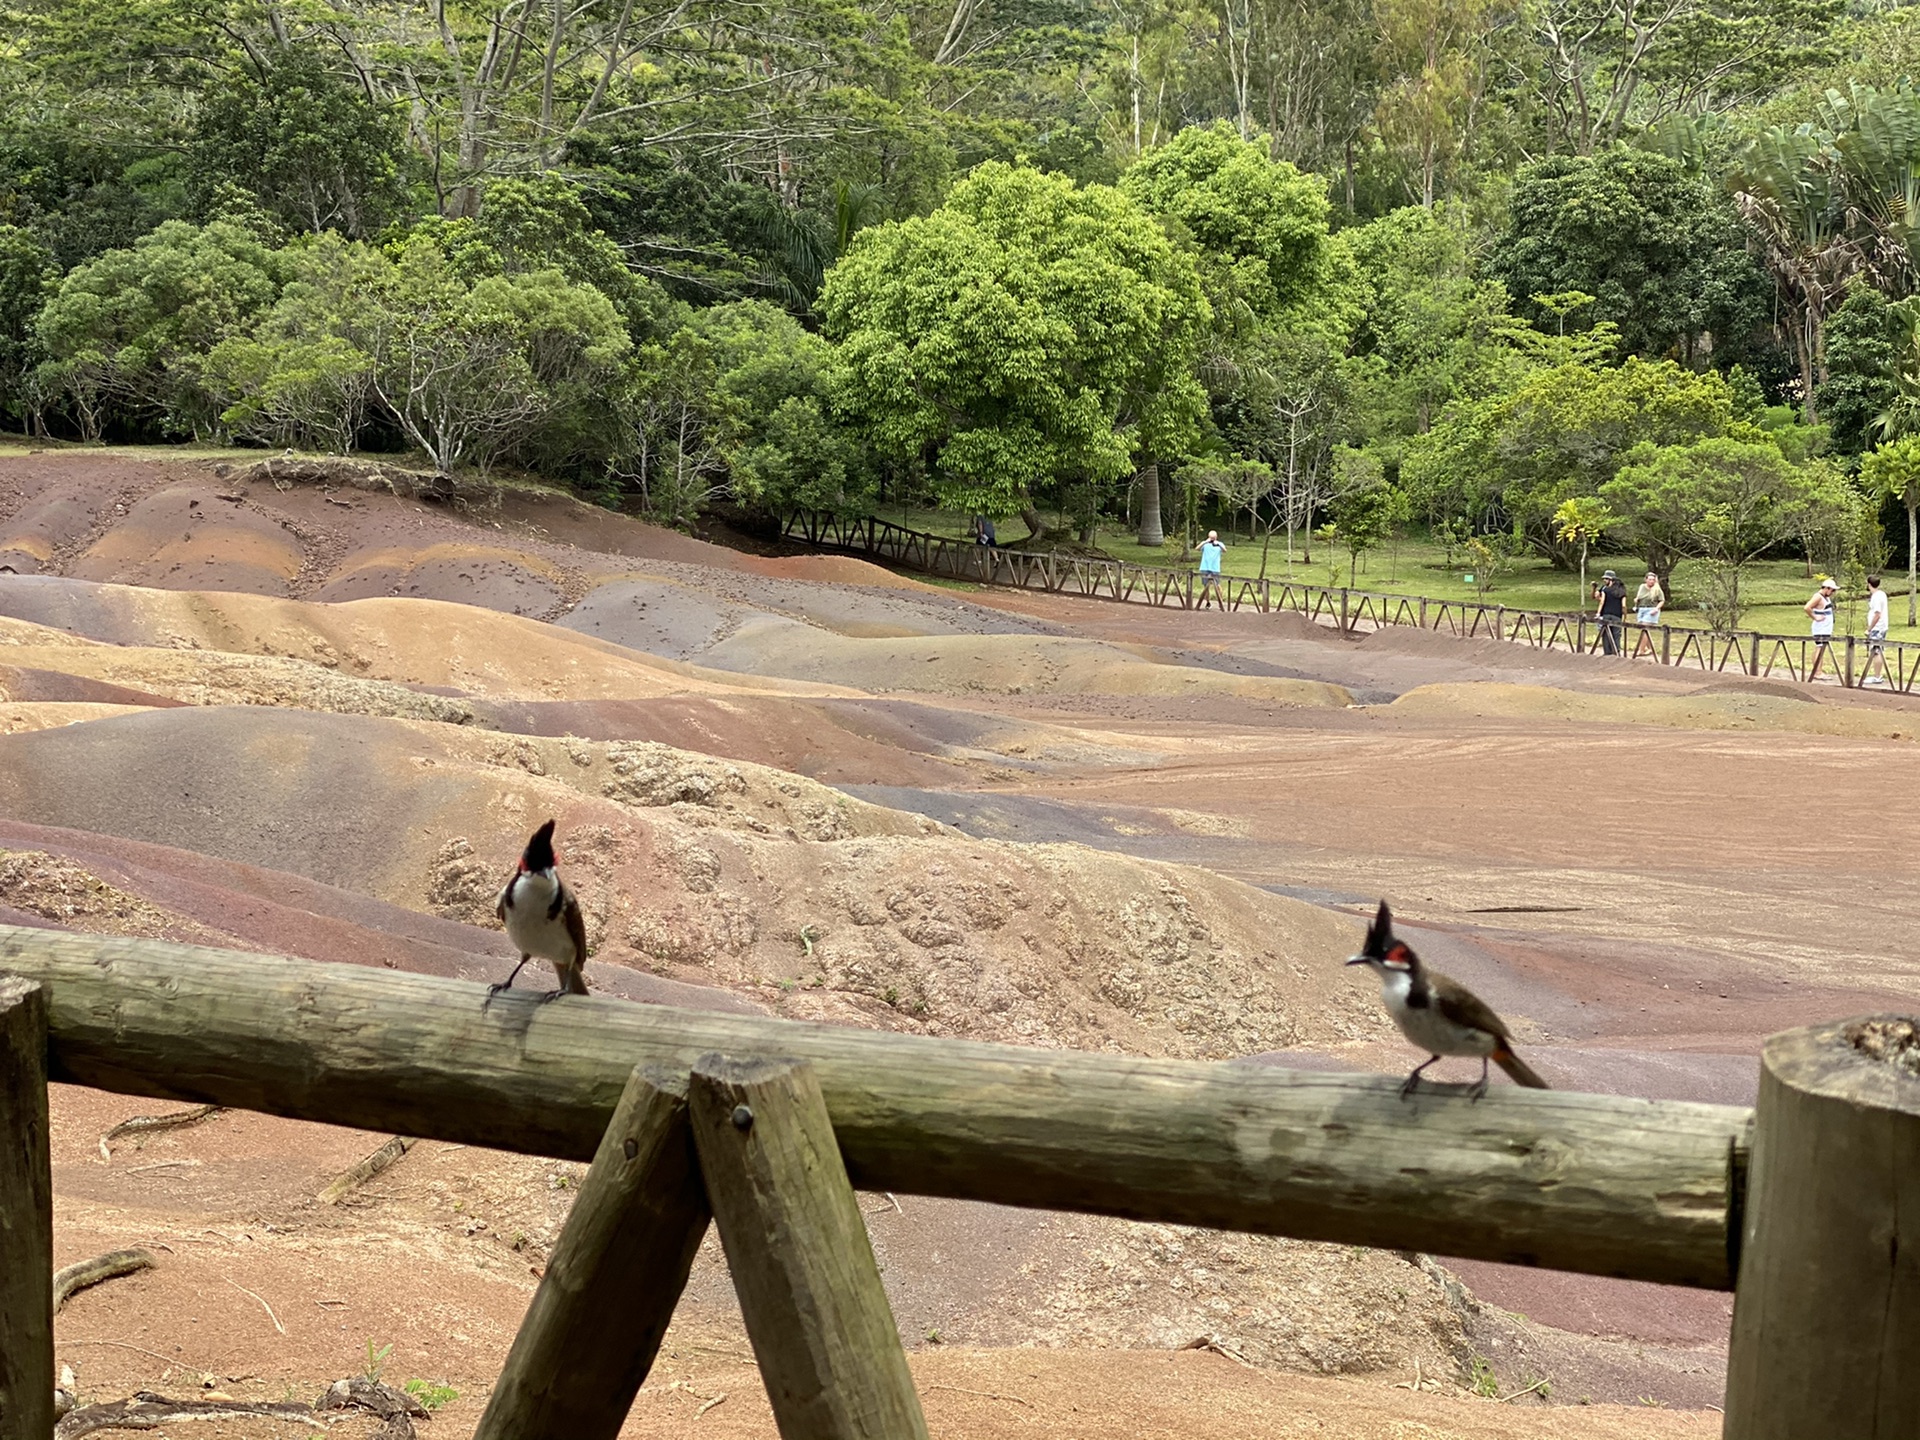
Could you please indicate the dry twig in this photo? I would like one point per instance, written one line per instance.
(1525, 1390)
(123, 1345)
(263, 1304)
(983, 1394)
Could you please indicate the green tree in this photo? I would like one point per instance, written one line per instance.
(1581, 520)
(1722, 500)
(1663, 256)
(1258, 227)
(1027, 331)
(133, 327)
(1894, 469)
(1863, 341)
(772, 420)
(1432, 331)
(27, 277)
(1562, 432)
(306, 141)
(467, 371)
(1364, 515)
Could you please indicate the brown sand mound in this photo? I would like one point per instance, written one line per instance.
(492, 577)
(817, 904)
(21, 715)
(282, 527)
(1007, 664)
(22, 683)
(1719, 708)
(178, 538)
(417, 642)
(186, 677)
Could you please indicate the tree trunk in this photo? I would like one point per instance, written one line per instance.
(1151, 533)
(1030, 515)
(1584, 592)
(1913, 507)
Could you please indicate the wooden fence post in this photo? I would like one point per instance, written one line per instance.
(26, 1216)
(596, 1322)
(1826, 1319)
(802, 1265)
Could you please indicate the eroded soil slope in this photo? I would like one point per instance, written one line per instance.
(321, 721)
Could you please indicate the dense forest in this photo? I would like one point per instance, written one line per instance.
(1527, 274)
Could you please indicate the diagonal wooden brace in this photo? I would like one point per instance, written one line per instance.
(596, 1322)
(26, 1216)
(822, 1331)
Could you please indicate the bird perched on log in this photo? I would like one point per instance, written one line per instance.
(543, 918)
(1439, 1015)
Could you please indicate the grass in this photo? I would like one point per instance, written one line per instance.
(1415, 566)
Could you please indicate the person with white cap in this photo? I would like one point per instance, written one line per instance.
(1820, 610)
(1612, 612)
(1648, 601)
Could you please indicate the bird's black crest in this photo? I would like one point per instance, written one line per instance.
(1379, 934)
(539, 853)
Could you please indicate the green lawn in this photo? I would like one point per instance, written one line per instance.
(1778, 588)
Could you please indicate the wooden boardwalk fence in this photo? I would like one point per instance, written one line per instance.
(1355, 611)
(765, 1126)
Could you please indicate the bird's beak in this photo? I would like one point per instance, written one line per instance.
(1357, 960)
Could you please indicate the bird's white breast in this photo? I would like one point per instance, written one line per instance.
(527, 899)
(1425, 1026)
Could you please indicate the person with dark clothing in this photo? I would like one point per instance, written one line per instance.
(1612, 612)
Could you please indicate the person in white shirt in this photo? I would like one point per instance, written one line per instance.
(1820, 610)
(1876, 633)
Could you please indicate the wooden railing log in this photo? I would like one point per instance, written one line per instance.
(596, 1322)
(1595, 1183)
(26, 1216)
(797, 1248)
(1826, 1323)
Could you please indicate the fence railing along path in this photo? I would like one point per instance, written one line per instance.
(765, 1125)
(1353, 611)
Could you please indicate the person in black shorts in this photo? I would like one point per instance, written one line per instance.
(1612, 596)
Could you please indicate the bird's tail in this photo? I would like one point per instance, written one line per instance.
(573, 980)
(1521, 1072)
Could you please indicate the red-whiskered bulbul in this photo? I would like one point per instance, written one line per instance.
(1439, 1015)
(543, 918)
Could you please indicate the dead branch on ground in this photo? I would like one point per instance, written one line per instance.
(351, 1179)
(109, 1266)
(148, 1124)
(148, 1411)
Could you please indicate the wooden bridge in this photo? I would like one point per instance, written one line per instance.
(764, 1126)
(1353, 611)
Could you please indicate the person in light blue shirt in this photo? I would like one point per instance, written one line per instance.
(1211, 552)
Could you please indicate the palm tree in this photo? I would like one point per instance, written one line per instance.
(1787, 188)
